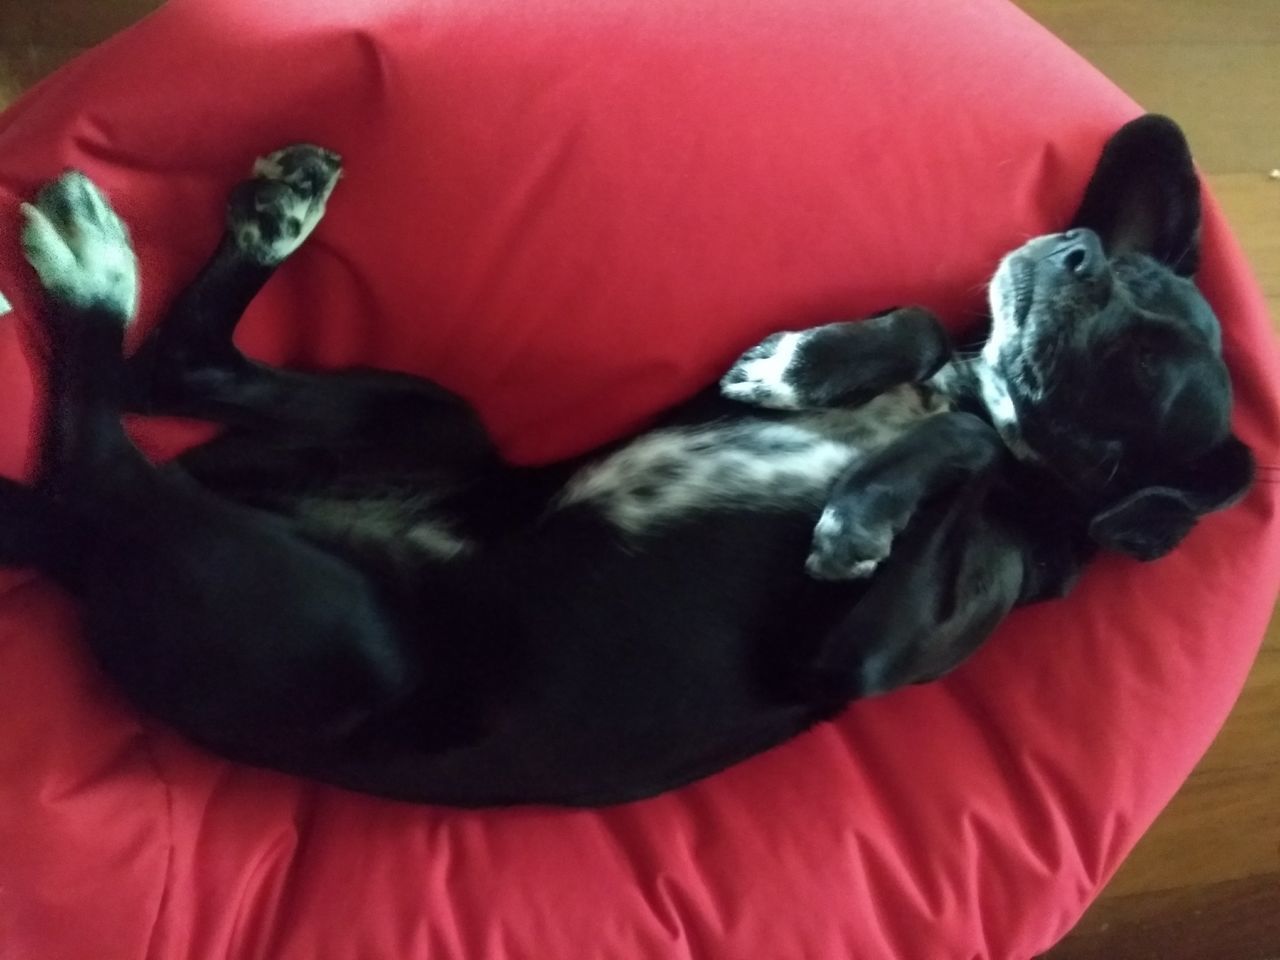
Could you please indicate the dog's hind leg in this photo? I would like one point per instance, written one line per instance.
(216, 617)
(189, 364)
(81, 251)
(189, 360)
(35, 532)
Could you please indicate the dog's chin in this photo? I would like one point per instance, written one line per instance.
(1003, 372)
(1010, 296)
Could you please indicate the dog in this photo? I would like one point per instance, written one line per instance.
(351, 584)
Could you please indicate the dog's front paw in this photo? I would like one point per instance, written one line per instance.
(80, 247)
(765, 376)
(271, 214)
(846, 548)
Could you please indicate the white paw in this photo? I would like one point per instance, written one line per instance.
(80, 248)
(763, 375)
(272, 214)
(843, 549)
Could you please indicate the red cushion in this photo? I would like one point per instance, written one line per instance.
(575, 213)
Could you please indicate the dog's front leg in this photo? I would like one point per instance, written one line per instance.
(955, 573)
(840, 364)
(876, 497)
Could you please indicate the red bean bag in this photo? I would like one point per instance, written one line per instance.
(575, 213)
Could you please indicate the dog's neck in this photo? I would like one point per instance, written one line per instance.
(972, 384)
(1042, 503)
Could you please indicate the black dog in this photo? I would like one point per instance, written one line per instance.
(351, 584)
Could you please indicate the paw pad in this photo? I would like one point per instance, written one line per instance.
(272, 214)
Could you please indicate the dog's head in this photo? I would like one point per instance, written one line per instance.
(1105, 362)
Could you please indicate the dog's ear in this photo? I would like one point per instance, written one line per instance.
(1152, 521)
(1145, 196)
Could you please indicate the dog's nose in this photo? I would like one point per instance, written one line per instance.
(1080, 253)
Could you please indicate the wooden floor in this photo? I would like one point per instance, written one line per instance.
(1204, 884)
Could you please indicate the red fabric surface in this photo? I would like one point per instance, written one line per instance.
(575, 212)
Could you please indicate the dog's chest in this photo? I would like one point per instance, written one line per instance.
(754, 463)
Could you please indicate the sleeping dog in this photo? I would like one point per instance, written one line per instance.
(350, 583)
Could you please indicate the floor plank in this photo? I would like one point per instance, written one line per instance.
(1200, 836)
(1158, 22)
(21, 66)
(1187, 81)
(1251, 202)
(1254, 721)
(1231, 920)
(67, 23)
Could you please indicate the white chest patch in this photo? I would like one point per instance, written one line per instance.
(669, 474)
(995, 396)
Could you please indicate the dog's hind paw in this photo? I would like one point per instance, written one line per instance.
(80, 247)
(270, 215)
(844, 549)
(763, 377)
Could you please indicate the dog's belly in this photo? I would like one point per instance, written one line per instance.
(756, 463)
(407, 524)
